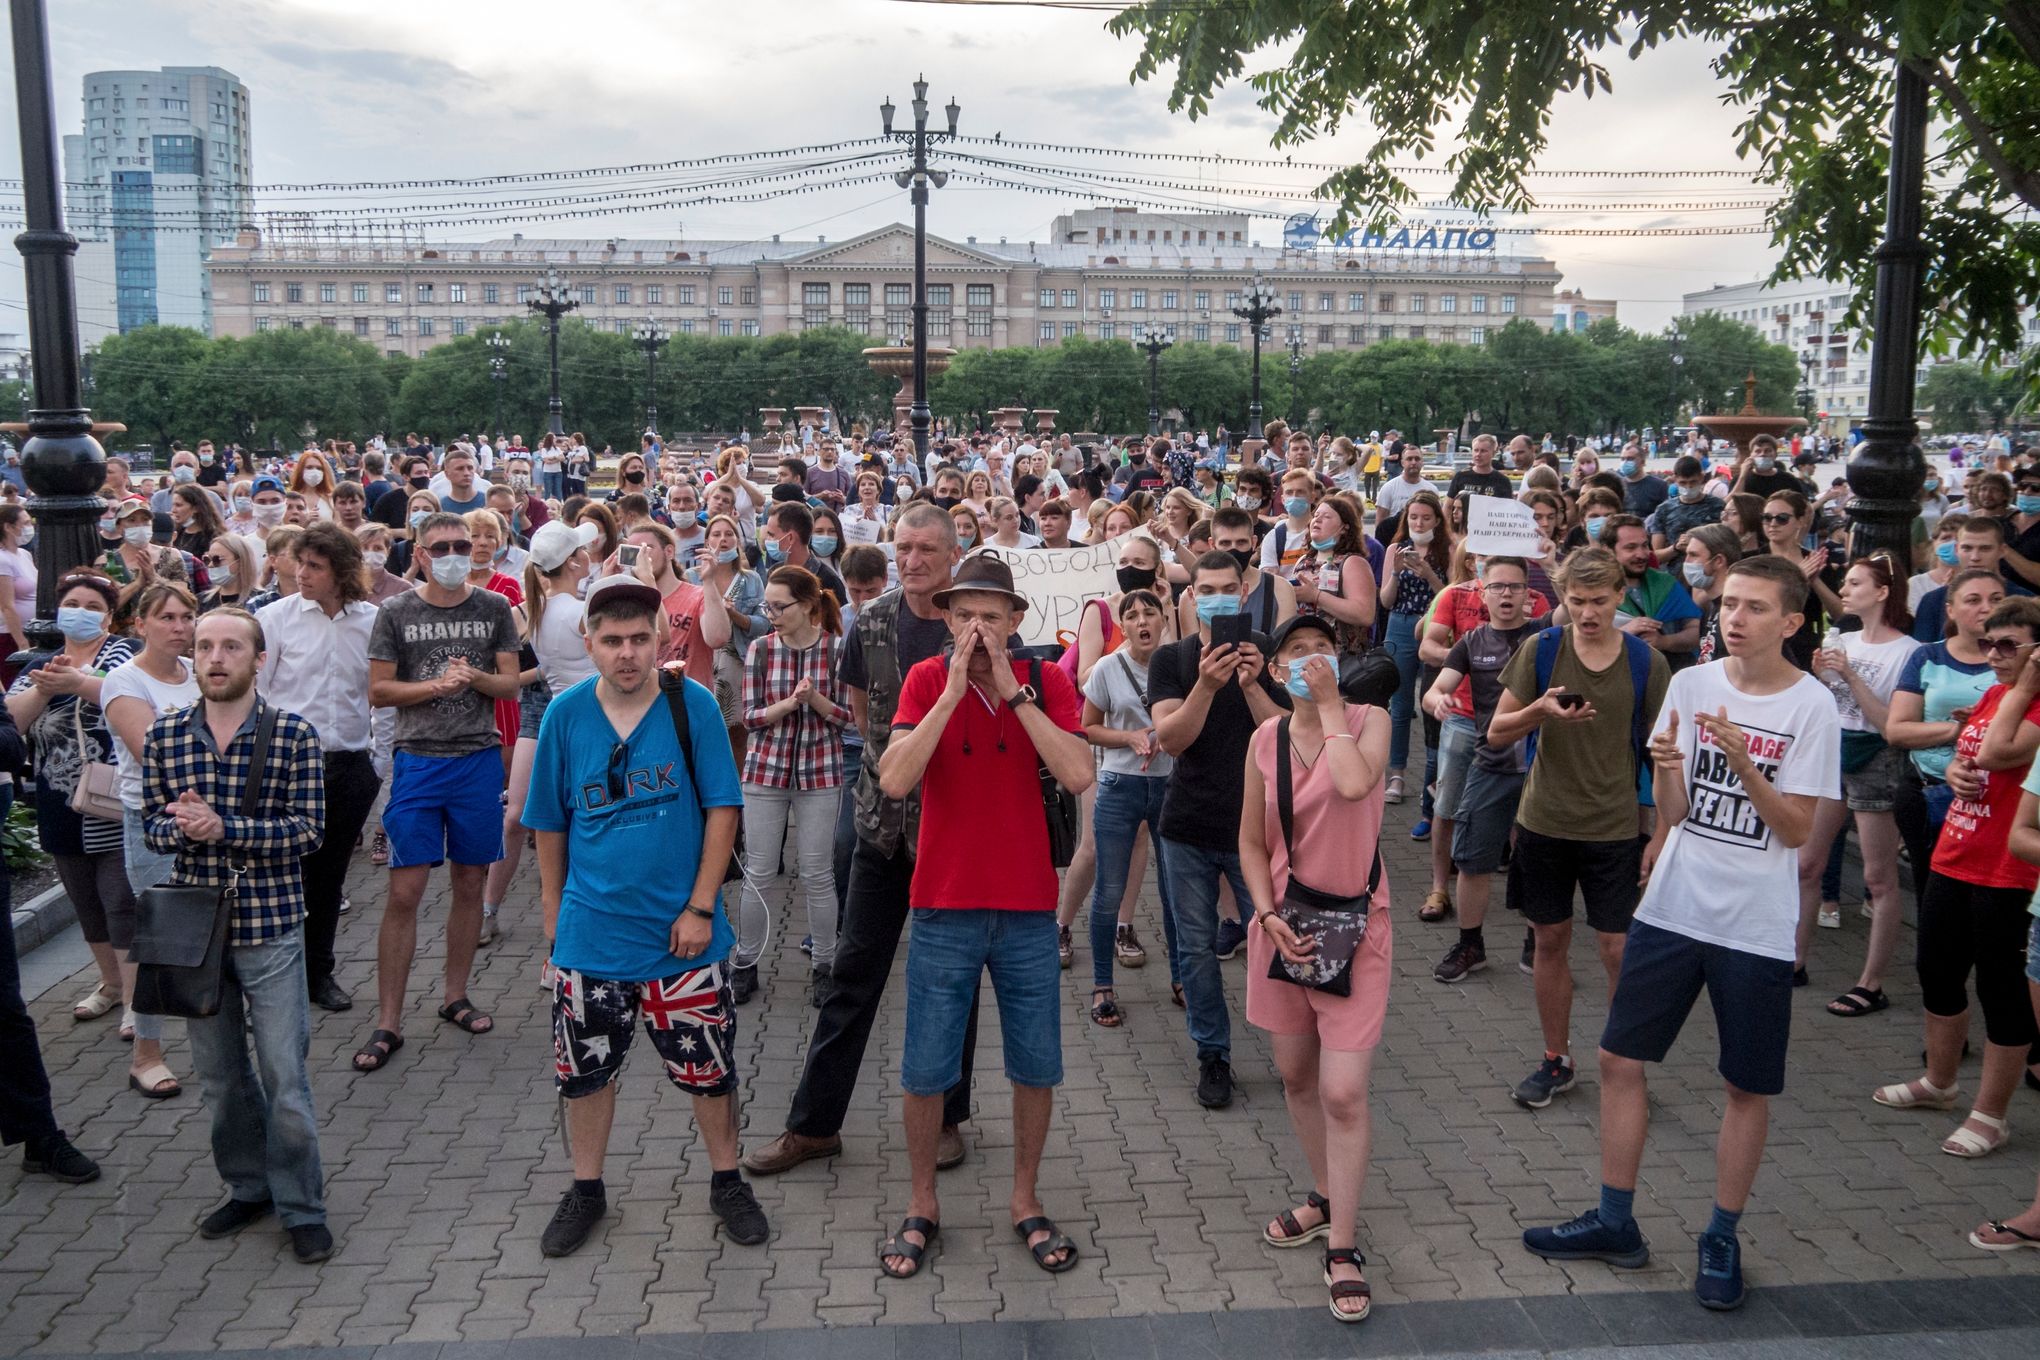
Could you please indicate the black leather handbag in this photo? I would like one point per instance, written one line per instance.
(1336, 924)
(1058, 804)
(180, 947)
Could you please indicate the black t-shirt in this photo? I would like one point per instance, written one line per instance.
(1481, 656)
(1643, 496)
(831, 582)
(1202, 804)
(1142, 476)
(392, 507)
(1493, 483)
(211, 474)
(915, 639)
(1769, 484)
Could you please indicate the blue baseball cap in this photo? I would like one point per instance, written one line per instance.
(264, 483)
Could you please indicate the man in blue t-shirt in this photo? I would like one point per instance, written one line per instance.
(622, 814)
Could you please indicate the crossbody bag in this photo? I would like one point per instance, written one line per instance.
(1336, 924)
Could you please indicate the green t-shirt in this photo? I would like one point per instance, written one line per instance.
(1583, 784)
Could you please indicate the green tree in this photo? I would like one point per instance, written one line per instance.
(278, 388)
(1719, 354)
(1967, 398)
(144, 379)
(1813, 82)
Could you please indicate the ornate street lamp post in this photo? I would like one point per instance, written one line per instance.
(650, 338)
(1152, 343)
(552, 303)
(919, 178)
(1257, 309)
(1295, 373)
(499, 373)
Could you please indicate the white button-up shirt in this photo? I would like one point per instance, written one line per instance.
(317, 667)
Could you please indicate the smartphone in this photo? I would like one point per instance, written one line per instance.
(1572, 701)
(627, 557)
(1229, 630)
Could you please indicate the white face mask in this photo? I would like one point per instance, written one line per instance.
(138, 536)
(449, 571)
(269, 514)
(374, 560)
(313, 476)
(1422, 537)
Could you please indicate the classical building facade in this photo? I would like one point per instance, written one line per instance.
(1106, 273)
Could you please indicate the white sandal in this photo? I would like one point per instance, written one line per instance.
(1916, 1095)
(1394, 792)
(127, 1026)
(95, 1003)
(1967, 1142)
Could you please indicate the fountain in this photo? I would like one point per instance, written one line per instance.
(897, 361)
(1748, 423)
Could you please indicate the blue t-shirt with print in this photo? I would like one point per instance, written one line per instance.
(1944, 683)
(631, 860)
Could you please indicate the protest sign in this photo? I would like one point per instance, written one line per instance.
(1058, 582)
(1499, 527)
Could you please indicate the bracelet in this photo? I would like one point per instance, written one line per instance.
(1262, 917)
(705, 913)
(1334, 736)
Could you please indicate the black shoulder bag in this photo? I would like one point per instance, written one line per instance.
(1336, 924)
(674, 684)
(1058, 804)
(180, 946)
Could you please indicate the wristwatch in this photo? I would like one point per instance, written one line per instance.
(1026, 694)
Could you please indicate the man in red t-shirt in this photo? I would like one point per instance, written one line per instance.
(972, 731)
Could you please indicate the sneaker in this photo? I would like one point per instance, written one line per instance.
(1830, 916)
(1554, 1076)
(233, 1216)
(807, 945)
(1127, 948)
(818, 986)
(572, 1222)
(56, 1157)
(1464, 957)
(346, 904)
(1719, 1284)
(741, 1217)
(1587, 1238)
(379, 848)
(1527, 965)
(490, 930)
(1422, 830)
(311, 1242)
(1231, 935)
(743, 982)
(1065, 947)
(1214, 1083)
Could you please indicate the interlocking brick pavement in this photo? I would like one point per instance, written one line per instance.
(442, 1169)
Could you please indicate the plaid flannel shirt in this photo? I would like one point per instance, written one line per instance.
(289, 820)
(804, 749)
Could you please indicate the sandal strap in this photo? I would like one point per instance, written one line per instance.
(1318, 1202)
(1344, 1256)
(1998, 1225)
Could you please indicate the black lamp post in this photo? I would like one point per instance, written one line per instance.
(1257, 310)
(1886, 471)
(1152, 343)
(499, 373)
(552, 303)
(1807, 396)
(1295, 374)
(919, 178)
(62, 463)
(650, 338)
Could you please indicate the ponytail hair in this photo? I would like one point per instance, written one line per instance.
(806, 588)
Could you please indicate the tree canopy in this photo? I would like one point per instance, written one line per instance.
(1813, 80)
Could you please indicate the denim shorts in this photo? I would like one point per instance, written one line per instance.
(948, 950)
(1456, 740)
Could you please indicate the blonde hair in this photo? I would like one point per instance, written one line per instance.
(487, 521)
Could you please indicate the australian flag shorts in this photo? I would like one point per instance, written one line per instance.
(691, 1018)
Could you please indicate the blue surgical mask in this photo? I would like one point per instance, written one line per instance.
(728, 555)
(1691, 494)
(449, 571)
(80, 624)
(183, 474)
(1297, 506)
(1697, 578)
(1932, 484)
(244, 506)
(1324, 545)
(418, 518)
(1629, 467)
(1211, 607)
(823, 544)
(501, 553)
(2029, 505)
(1298, 686)
(773, 552)
(1945, 550)
(1595, 523)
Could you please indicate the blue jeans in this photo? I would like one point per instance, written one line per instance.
(1193, 902)
(948, 950)
(1125, 801)
(265, 1135)
(1402, 645)
(554, 484)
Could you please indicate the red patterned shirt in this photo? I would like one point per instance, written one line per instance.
(804, 749)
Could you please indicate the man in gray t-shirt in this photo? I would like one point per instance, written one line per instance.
(441, 656)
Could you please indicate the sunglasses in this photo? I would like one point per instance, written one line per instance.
(619, 758)
(2003, 646)
(458, 546)
(1779, 519)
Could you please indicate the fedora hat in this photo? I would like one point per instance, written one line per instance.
(981, 571)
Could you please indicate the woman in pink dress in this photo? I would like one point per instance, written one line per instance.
(1315, 875)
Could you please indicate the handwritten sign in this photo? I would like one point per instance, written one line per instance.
(1499, 527)
(1058, 583)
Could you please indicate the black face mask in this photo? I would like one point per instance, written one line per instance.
(949, 502)
(420, 483)
(1243, 556)
(1135, 578)
(634, 476)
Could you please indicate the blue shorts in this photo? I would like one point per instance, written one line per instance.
(948, 951)
(2033, 954)
(445, 808)
(1662, 974)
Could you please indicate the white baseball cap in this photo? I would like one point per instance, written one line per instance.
(555, 542)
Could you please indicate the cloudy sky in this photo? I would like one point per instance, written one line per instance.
(348, 90)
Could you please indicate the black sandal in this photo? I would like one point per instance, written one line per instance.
(1347, 1289)
(1859, 1001)
(380, 1048)
(1294, 1234)
(1176, 994)
(1106, 1012)
(461, 1013)
(1049, 1245)
(912, 1252)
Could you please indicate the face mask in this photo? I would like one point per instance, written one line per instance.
(1298, 686)
(1211, 607)
(948, 502)
(183, 474)
(2029, 505)
(137, 537)
(1135, 578)
(1243, 556)
(773, 552)
(270, 515)
(1324, 545)
(501, 553)
(1586, 469)
(728, 555)
(374, 561)
(1691, 494)
(520, 484)
(78, 623)
(418, 518)
(1247, 502)
(1932, 484)
(314, 476)
(1296, 506)
(27, 533)
(449, 571)
(634, 476)
(1945, 551)
(243, 505)
(1766, 464)
(1422, 537)
(420, 483)
(1629, 468)
(823, 544)
(1595, 523)
(109, 527)
(205, 459)
(1697, 578)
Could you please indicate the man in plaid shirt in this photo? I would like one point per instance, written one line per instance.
(194, 768)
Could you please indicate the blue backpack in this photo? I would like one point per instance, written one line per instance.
(1638, 654)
